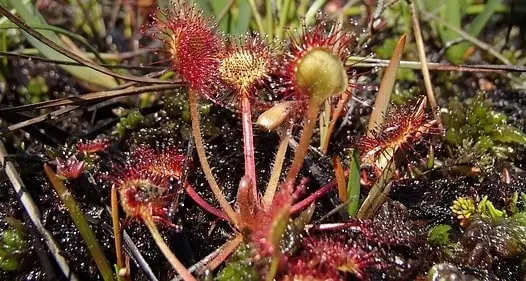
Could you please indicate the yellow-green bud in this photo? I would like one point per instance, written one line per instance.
(320, 74)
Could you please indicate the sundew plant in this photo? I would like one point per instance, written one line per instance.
(286, 140)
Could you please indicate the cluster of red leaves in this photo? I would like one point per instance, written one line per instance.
(70, 168)
(211, 64)
(331, 258)
(92, 146)
(145, 182)
(73, 166)
(192, 44)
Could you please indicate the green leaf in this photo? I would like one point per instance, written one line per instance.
(452, 12)
(241, 17)
(27, 12)
(217, 7)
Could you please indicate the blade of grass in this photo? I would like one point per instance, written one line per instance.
(378, 193)
(480, 44)
(50, 45)
(217, 9)
(381, 102)
(241, 20)
(56, 29)
(257, 17)
(310, 15)
(283, 16)
(26, 10)
(457, 53)
(269, 19)
(353, 185)
(451, 12)
(82, 224)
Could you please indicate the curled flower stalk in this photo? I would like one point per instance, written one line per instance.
(245, 65)
(314, 71)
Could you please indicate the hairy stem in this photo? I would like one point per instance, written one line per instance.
(313, 197)
(303, 146)
(248, 140)
(202, 203)
(174, 261)
(276, 170)
(199, 146)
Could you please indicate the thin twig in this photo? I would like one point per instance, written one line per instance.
(364, 62)
(214, 259)
(62, 62)
(422, 56)
(226, 250)
(91, 97)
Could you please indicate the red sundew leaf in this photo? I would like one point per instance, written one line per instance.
(70, 168)
(191, 43)
(92, 146)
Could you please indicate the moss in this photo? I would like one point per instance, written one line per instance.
(478, 134)
(239, 267)
(36, 90)
(129, 122)
(13, 243)
(439, 235)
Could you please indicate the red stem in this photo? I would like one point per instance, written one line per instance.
(202, 203)
(248, 140)
(313, 197)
